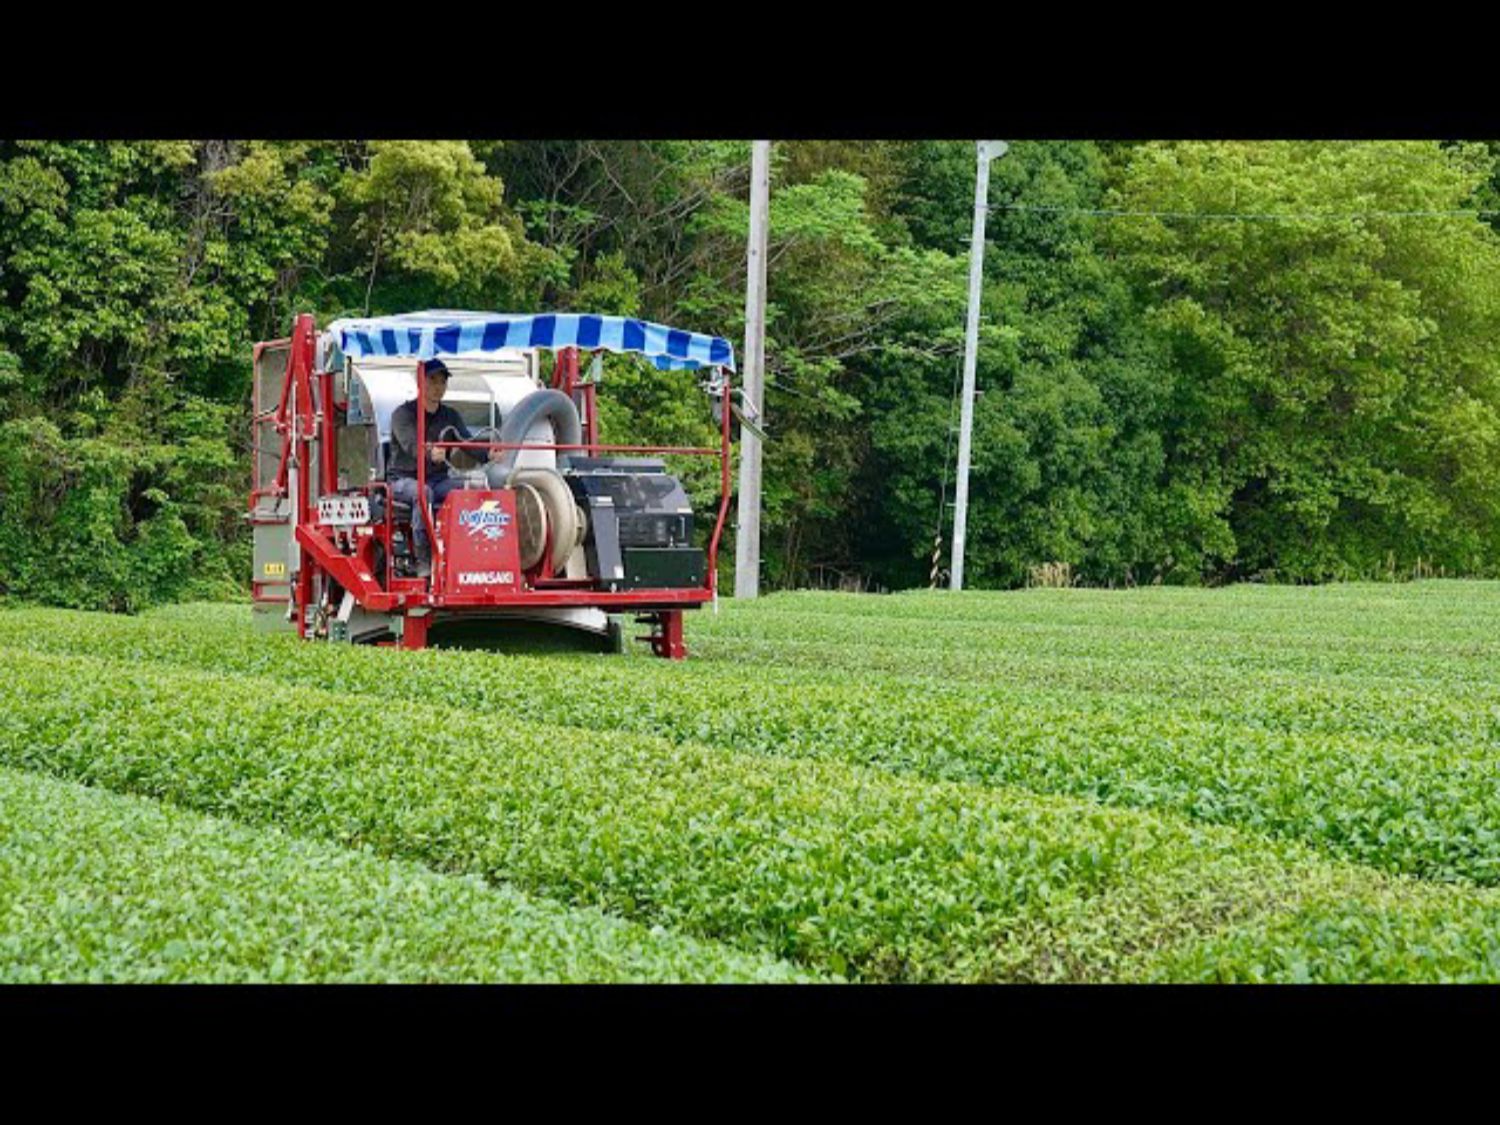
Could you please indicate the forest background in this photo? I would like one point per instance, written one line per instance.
(1199, 362)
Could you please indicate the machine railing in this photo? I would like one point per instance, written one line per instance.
(565, 377)
(596, 447)
(698, 450)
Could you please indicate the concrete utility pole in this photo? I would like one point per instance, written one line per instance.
(988, 150)
(747, 537)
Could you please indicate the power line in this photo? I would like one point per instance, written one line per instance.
(1247, 216)
(770, 382)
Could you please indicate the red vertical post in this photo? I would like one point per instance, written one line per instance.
(414, 631)
(593, 438)
(669, 642)
(565, 379)
(299, 374)
(590, 415)
(713, 546)
(303, 428)
(426, 514)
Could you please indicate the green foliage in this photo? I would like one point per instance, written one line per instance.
(1329, 383)
(807, 860)
(435, 215)
(1067, 460)
(102, 887)
(1187, 807)
(1176, 399)
(83, 524)
(840, 297)
(1278, 733)
(1394, 936)
(136, 277)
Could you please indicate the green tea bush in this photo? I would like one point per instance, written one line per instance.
(1365, 934)
(846, 869)
(96, 886)
(1049, 785)
(1393, 773)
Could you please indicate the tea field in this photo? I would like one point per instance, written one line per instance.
(1243, 784)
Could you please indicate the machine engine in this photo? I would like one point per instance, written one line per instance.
(640, 524)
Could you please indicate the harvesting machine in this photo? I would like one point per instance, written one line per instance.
(558, 528)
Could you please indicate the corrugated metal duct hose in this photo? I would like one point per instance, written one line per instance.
(551, 495)
(554, 406)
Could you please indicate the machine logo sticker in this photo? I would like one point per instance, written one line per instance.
(489, 520)
(486, 578)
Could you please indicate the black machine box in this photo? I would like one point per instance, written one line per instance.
(640, 523)
(663, 568)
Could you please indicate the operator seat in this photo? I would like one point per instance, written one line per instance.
(401, 513)
(400, 510)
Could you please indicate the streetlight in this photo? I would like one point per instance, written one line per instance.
(987, 151)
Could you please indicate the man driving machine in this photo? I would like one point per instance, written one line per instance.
(443, 424)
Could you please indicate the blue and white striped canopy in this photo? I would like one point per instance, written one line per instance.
(424, 335)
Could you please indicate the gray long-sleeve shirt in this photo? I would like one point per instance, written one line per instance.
(403, 458)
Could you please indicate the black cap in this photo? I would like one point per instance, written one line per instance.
(437, 367)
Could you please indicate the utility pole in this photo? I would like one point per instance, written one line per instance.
(987, 151)
(747, 536)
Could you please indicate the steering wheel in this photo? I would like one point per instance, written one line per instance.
(477, 456)
(450, 434)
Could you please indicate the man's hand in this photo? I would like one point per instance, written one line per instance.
(496, 454)
(440, 456)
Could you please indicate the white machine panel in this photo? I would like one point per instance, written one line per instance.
(482, 388)
(343, 511)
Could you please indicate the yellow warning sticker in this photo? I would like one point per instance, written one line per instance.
(276, 568)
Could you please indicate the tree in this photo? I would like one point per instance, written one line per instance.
(137, 275)
(1066, 454)
(1331, 385)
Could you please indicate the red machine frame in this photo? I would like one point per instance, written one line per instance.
(345, 556)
